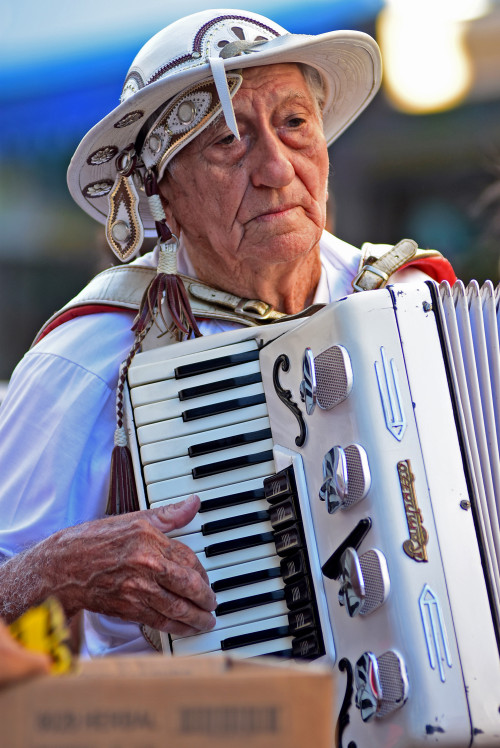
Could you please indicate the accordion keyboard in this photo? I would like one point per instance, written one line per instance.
(204, 428)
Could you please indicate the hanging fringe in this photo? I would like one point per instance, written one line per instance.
(167, 288)
(122, 496)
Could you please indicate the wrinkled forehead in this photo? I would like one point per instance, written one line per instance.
(195, 112)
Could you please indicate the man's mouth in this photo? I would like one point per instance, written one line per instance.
(271, 213)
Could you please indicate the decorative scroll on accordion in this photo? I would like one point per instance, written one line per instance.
(348, 468)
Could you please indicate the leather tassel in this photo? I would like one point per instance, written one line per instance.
(122, 497)
(169, 289)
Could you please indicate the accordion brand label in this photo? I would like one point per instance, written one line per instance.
(414, 547)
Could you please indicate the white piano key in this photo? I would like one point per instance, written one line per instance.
(277, 646)
(263, 648)
(244, 568)
(229, 493)
(175, 427)
(198, 542)
(163, 367)
(174, 408)
(169, 388)
(230, 511)
(170, 448)
(211, 640)
(258, 614)
(176, 487)
(178, 466)
(209, 563)
(247, 590)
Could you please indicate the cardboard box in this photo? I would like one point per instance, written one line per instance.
(148, 702)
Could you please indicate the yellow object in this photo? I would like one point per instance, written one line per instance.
(43, 629)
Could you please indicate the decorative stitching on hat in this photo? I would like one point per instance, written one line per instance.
(199, 36)
(133, 83)
(102, 155)
(98, 189)
(198, 41)
(129, 118)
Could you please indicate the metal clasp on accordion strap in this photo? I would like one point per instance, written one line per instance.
(255, 308)
(357, 285)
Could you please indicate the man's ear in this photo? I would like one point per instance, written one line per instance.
(173, 224)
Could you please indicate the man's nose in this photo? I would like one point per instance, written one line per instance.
(272, 165)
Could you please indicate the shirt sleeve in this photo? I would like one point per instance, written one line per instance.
(56, 429)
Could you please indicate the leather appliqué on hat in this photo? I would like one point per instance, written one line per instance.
(182, 118)
(124, 230)
(129, 118)
(102, 155)
(98, 189)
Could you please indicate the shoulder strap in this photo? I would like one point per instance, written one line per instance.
(378, 264)
(122, 287)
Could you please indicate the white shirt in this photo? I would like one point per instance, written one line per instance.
(57, 424)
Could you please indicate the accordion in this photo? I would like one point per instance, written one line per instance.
(349, 475)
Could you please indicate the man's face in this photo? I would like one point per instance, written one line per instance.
(245, 205)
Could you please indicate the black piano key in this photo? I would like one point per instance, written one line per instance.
(302, 620)
(280, 486)
(293, 567)
(255, 637)
(195, 450)
(213, 468)
(285, 654)
(251, 601)
(298, 593)
(215, 409)
(214, 364)
(282, 514)
(231, 499)
(220, 386)
(228, 523)
(238, 544)
(243, 579)
(331, 568)
(288, 540)
(308, 647)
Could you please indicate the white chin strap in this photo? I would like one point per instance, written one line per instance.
(220, 80)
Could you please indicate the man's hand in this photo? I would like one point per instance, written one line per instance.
(125, 567)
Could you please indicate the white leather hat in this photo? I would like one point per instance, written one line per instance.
(181, 79)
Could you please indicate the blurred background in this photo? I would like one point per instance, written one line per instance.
(422, 162)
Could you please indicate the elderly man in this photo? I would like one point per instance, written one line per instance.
(219, 145)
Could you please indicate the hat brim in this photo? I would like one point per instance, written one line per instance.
(349, 62)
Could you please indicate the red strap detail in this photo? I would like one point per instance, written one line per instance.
(79, 311)
(438, 268)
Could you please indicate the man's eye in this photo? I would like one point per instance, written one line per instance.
(295, 122)
(227, 139)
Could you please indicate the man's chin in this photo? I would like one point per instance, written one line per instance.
(286, 247)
